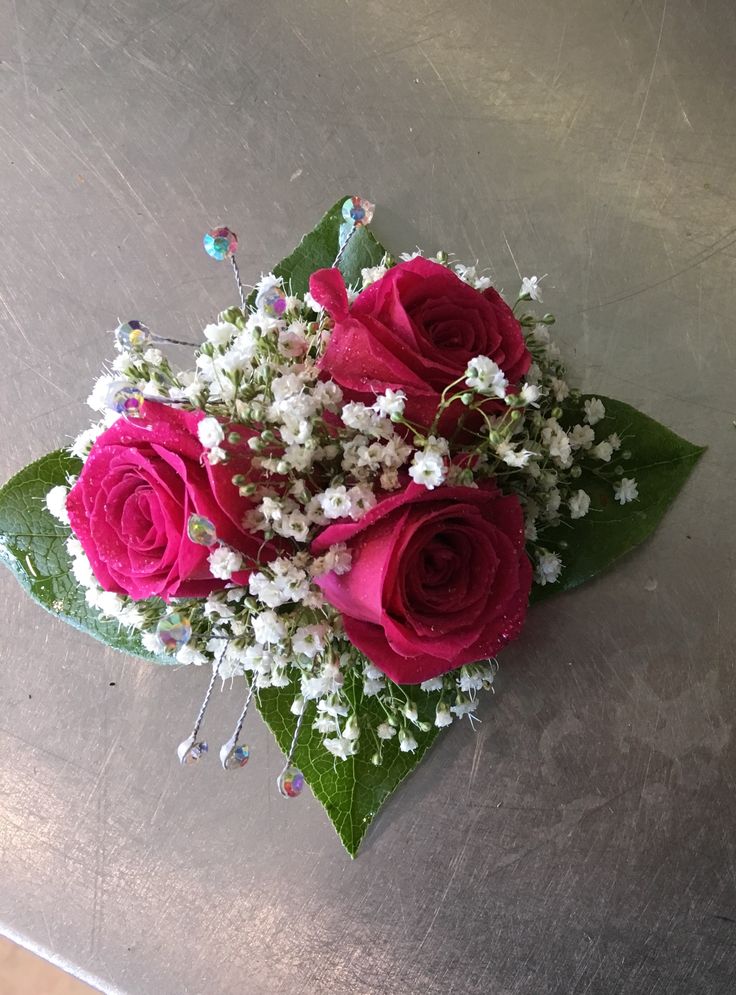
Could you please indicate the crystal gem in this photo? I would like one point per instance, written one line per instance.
(190, 752)
(290, 782)
(124, 398)
(272, 301)
(201, 530)
(220, 243)
(234, 756)
(174, 630)
(357, 211)
(133, 335)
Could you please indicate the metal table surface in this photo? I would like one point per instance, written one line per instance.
(582, 840)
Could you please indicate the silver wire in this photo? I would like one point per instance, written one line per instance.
(344, 245)
(239, 282)
(241, 720)
(215, 672)
(163, 338)
(290, 754)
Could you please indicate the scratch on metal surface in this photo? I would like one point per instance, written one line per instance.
(150, 65)
(48, 380)
(72, 147)
(100, 859)
(48, 928)
(21, 54)
(573, 118)
(456, 864)
(479, 741)
(556, 76)
(637, 192)
(14, 319)
(136, 196)
(666, 279)
(681, 399)
(649, 85)
(154, 22)
(414, 43)
(513, 257)
(438, 74)
(68, 33)
(27, 152)
(670, 77)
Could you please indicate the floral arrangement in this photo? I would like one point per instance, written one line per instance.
(345, 500)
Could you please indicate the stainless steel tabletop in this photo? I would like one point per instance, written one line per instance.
(582, 841)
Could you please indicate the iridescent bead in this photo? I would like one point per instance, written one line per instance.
(272, 301)
(290, 782)
(190, 752)
(133, 335)
(201, 530)
(220, 243)
(357, 211)
(174, 631)
(124, 398)
(234, 757)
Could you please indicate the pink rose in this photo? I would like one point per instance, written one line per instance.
(438, 579)
(130, 506)
(415, 330)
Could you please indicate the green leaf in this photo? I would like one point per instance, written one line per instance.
(32, 545)
(660, 462)
(351, 790)
(318, 249)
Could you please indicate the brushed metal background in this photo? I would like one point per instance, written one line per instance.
(582, 841)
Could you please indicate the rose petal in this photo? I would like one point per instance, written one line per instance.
(360, 590)
(327, 287)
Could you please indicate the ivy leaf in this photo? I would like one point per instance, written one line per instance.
(660, 462)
